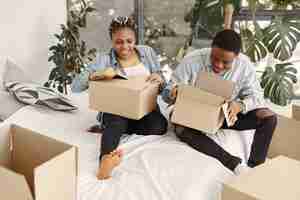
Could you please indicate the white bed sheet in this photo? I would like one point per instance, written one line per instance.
(154, 167)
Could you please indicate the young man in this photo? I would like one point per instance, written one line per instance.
(246, 108)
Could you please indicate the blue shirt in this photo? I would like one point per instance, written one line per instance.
(146, 55)
(247, 87)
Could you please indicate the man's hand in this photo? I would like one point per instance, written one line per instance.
(234, 108)
(155, 78)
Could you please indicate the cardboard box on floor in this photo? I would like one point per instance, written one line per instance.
(33, 166)
(277, 179)
(132, 98)
(286, 137)
(201, 108)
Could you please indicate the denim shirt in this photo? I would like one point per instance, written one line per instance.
(247, 87)
(146, 55)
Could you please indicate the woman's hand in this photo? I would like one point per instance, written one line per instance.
(105, 74)
(95, 77)
(155, 78)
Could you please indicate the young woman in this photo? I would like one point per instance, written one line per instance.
(132, 60)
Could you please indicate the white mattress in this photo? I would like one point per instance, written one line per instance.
(154, 167)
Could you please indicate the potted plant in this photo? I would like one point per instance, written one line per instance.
(70, 54)
(279, 38)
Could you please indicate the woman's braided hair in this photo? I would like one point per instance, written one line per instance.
(120, 23)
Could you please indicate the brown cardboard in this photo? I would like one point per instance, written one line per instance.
(132, 98)
(286, 138)
(5, 159)
(201, 108)
(48, 167)
(13, 185)
(277, 179)
(212, 83)
(296, 112)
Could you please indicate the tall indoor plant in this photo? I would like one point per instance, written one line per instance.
(70, 54)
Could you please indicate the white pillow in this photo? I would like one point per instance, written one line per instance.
(2, 68)
(9, 71)
(12, 72)
(8, 105)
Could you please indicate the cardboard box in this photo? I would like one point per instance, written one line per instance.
(201, 107)
(132, 98)
(286, 137)
(296, 112)
(33, 166)
(277, 179)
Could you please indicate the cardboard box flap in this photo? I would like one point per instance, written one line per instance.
(5, 146)
(14, 186)
(56, 179)
(215, 85)
(133, 83)
(31, 149)
(199, 95)
(285, 139)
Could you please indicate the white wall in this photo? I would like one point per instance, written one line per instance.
(26, 32)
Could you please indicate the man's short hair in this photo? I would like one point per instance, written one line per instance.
(228, 40)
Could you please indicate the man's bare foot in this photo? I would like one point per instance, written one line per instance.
(108, 163)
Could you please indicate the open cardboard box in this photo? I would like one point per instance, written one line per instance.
(132, 98)
(201, 107)
(33, 166)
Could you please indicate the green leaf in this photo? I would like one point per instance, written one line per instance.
(281, 37)
(278, 83)
(255, 48)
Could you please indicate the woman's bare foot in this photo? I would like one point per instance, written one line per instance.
(108, 163)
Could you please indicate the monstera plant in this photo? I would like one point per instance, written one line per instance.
(279, 38)
(278, 83)
(253, 45)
